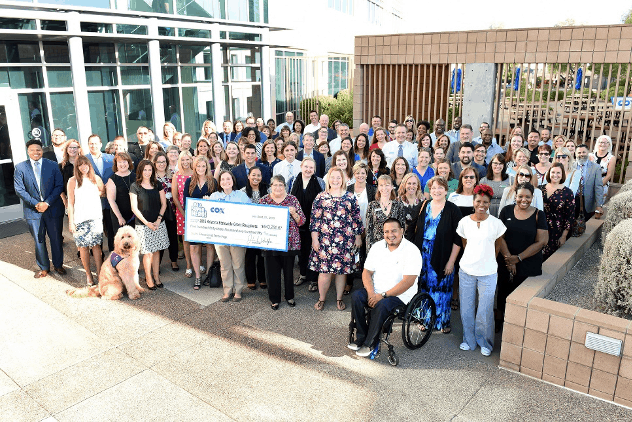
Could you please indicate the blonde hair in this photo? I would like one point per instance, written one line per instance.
(401, 194)
(164, 132)
(328, 178)
(182, 155)
(195, 177)
(565, 151)
(533, 181)
(607, 138)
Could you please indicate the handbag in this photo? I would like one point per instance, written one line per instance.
(579, 225)
(169, 214)
(214, 276)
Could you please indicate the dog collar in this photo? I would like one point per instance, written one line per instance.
(115, 259)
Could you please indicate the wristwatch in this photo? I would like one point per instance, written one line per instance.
(383, 295)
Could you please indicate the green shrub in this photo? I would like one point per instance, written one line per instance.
(619, 209)
(613, 291)
(340, 108)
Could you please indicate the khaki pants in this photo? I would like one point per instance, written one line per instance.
(231, 259)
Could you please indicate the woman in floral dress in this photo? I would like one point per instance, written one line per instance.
(336, 228)
(559, 208)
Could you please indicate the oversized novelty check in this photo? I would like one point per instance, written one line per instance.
(245, 225)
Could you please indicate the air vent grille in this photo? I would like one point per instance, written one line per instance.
(603, 344)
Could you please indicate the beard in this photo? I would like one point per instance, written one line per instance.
(582, 161)
(466, 160)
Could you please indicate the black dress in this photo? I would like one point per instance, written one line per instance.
(519, 236)
(123, 185)
(67, 172)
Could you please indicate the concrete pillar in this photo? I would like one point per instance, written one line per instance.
(155, 77)
(266, 81)
(479, 87)
(79, 84)
(218, 87)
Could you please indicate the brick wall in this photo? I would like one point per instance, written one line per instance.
(545, 339)
(586, 44)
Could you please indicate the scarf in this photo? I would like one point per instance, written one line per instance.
(306, 195)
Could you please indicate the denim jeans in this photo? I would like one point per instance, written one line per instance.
(478, 325)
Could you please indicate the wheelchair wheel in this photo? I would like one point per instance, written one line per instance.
(419, 321)
(393, 359)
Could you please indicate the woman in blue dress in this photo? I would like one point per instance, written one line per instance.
(434, 233)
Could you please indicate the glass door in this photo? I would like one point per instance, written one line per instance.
(12, 151)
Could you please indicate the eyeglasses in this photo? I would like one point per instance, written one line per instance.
(524, 175)
(496, 164)
(73, 148)
(469, 177)
(561, 156)
(544, 154)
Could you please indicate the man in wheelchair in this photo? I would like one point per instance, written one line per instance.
(390, 280)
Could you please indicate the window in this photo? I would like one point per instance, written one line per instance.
(338, 70)
(344, 6)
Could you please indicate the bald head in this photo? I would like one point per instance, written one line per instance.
(364, 128)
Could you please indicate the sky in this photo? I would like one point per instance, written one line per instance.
(464, 15)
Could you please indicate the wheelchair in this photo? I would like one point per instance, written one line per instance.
(418, 319)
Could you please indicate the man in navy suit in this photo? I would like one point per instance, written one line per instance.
(324, 123)
(250, 160)
(102, 165)
(309, 151)
(227, 134)
(38, 182)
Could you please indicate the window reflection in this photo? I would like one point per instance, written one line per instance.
(105, 114)
(138, 110)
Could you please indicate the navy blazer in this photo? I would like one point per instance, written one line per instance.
(241, 176)
(226, 138)
(108, 162)
(52, 186)
(320, 162)
(331, 134)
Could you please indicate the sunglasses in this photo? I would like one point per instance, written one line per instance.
(409, 121)
(543, 154)
(562, 156)
(524, 175)
(469, 177)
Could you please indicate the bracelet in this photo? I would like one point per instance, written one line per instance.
(519, 259)
(160, 216)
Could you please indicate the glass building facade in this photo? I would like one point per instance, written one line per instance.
(143, 63)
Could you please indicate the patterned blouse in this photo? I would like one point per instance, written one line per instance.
(294, 239)
(375, 219)
(166, 185)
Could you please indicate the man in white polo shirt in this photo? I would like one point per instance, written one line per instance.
(390, 277)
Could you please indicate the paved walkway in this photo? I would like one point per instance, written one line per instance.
(180, 355)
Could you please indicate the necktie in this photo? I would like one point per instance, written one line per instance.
(581, 180)
(400, 152)
(38, 175)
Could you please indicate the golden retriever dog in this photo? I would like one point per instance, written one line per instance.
(119, 272)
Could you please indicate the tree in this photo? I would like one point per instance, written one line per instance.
(566, 22)
(627, 18)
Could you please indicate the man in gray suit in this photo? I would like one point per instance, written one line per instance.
(590, 186)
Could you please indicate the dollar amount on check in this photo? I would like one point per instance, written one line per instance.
(245, 225)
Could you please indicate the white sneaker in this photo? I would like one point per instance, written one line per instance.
(353, 346)
(363, 351)
(485, 351)
(464, 346)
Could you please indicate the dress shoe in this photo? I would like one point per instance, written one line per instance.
(41, 273)
(60, 270)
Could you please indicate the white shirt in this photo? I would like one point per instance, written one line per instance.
(479, 257)
(287, 170)
(334, 145)
(38, 177)
(390, 267)
(391, 151)
(98, 162)
(310, 128)
(59, 153)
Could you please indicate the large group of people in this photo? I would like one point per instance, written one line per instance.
(481, 218)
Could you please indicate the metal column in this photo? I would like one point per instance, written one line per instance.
(155, 77)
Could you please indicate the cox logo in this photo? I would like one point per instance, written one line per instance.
(216, 210)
